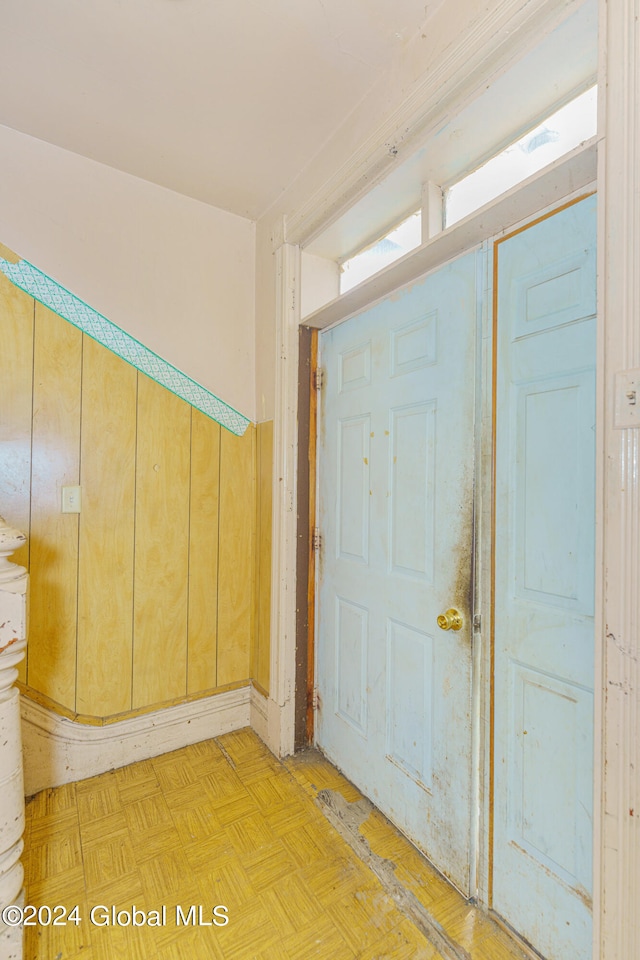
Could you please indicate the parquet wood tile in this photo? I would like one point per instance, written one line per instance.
(174, 773)
(45, 939)
(206, 757)
(121, 893)
(57, 855)
(364, 919)
(292, 905)
(110, 942)
(239, 807)
(135, 773)
(112, 825)
(194, 822)
(165, 878)
(259, 768)
(189, 797)
(286, 819)
(322, 939)
(306, 845)
(252, 928)
(99, 802)
(153, 843)
(205, 855)
(112, 859)
(228, 883)
(48, 826)
(140, 790)
(185, 944)
(148, 815)
(223, 786)
(404, 942)
(66, 888)
(52, 801)
(249, 834)
(267, 866)
(340, 878)
(224, 823)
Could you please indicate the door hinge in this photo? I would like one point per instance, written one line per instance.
(318, 378)
(316, 540)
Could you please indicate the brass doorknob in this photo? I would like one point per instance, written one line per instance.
(451, 620)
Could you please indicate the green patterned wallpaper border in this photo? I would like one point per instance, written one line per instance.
(38, 285)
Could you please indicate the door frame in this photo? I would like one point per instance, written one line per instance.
(537, 198)
(617, 747)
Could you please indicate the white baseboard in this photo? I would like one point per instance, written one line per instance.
(58, 751)
(260, 714)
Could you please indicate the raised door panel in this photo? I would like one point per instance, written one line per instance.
(412, 481)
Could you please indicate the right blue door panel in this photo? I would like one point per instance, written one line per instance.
(544, 581)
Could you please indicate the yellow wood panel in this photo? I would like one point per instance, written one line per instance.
(264, 441)
(105, 572)
(8, 254)
(203, 552)
(161, 545)
(16, 337)
(236, 572)
(54, 535)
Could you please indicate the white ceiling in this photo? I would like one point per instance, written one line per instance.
(221, 100)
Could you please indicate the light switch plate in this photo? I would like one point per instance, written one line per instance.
(71, 499)
(627, 405)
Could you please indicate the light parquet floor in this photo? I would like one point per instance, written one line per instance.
(224, 823)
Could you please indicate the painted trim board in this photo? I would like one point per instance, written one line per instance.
(568, 174)
(58, 751)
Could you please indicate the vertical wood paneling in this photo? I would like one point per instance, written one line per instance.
(16, 366)
(236, 573)
(105, 573)
(203, 553)
(57, 374)
(264, 449)
(16, 350)
(124, 596)
(161, 546)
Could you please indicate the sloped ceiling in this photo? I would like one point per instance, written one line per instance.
(224, 101)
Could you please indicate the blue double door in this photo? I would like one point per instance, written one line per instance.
(397, 473)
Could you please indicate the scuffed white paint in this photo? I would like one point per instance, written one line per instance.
(57, 750)
(13, 642)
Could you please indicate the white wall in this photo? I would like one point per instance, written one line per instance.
(177, 274)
